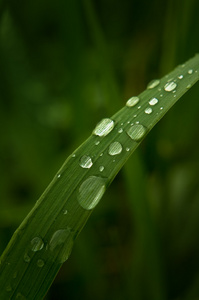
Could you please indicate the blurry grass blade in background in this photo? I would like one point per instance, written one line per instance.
(44, 240)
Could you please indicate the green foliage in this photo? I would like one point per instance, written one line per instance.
(58, 77)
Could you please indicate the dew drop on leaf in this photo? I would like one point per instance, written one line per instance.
(26, 258)
(61, 244)
(136, 132)
(180, 77)
(190, 71)
(37, 244)
(90, 192)
(153, 101)
(101, 168)
(170, 86)
(115, 148)
(40, 263)
(148, 110)
(85, 162)
(152, 84)
(132, 101)
(104, 127)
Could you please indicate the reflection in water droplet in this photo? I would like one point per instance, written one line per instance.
(91, 191)
(148, 110)
(85, 162)
(104, 127)
(127, 149)
(26, 258)
(101, 168)
(61, 244)
(37, 244)
(152, 84)
(190, 71)
(170, 86)
(115, 148)
(40, 263)
(136, 132)
(180, 76)
(132, 101)
(153, 101)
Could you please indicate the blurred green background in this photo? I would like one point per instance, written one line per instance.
(66, 64)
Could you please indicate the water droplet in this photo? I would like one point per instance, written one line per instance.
(101, 154)
(188, 86)
(152, 84)
(20, 297)
(97, 143)
(101, 168)
(40, 263)
(85, 162)
(59, 175)
(148, 110)
(115, 148)
(137, 122)
(161, 95)
(37, 244)
(91, 191)
(153, 101)
(9, 288)
(61, 244)
(104, 127)
(65, 212)
(132, 101)
(190, 71)
(122, 124)
(120, 130)
(161, 108)
(139, 107)
(180, 77)
(73, 155)
(136, 132)
(170, 86)
(127, 149)
(135, 116)
(26, 258)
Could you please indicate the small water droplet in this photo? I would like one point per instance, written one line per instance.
(37, 244)
(161, 108)
(120, 130)
(20, 297)
(73, 155)
(136, 132)
(127, 149)
(115, 148)
(137, 122)
(190, 71)
(85, 162)
(152, 84)
(122, 124)
(59, 175)
(9, 288)
(90, 192)
(65, 211)
(40, 263)
(104, 127)
(139, 107)
(101, 154)
(188, 86)
(170, 86)
(132, 101)
(135, 116)
(180, 77)
(61, 244)
(101, 168)
(97, 143)
(153, 101)
(26, 258)
(148, 110)
(161, 95)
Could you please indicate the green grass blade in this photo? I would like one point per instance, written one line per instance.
(44, 240)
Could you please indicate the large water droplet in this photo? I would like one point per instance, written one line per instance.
(104, 127)
(153, 101)
(132, 101)
(61, 244)
(152, 84)
(115, 148)
(170, 86)
(136, 132)
(148, 110)
(91, 191)
(85, 162)
(37, 244)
